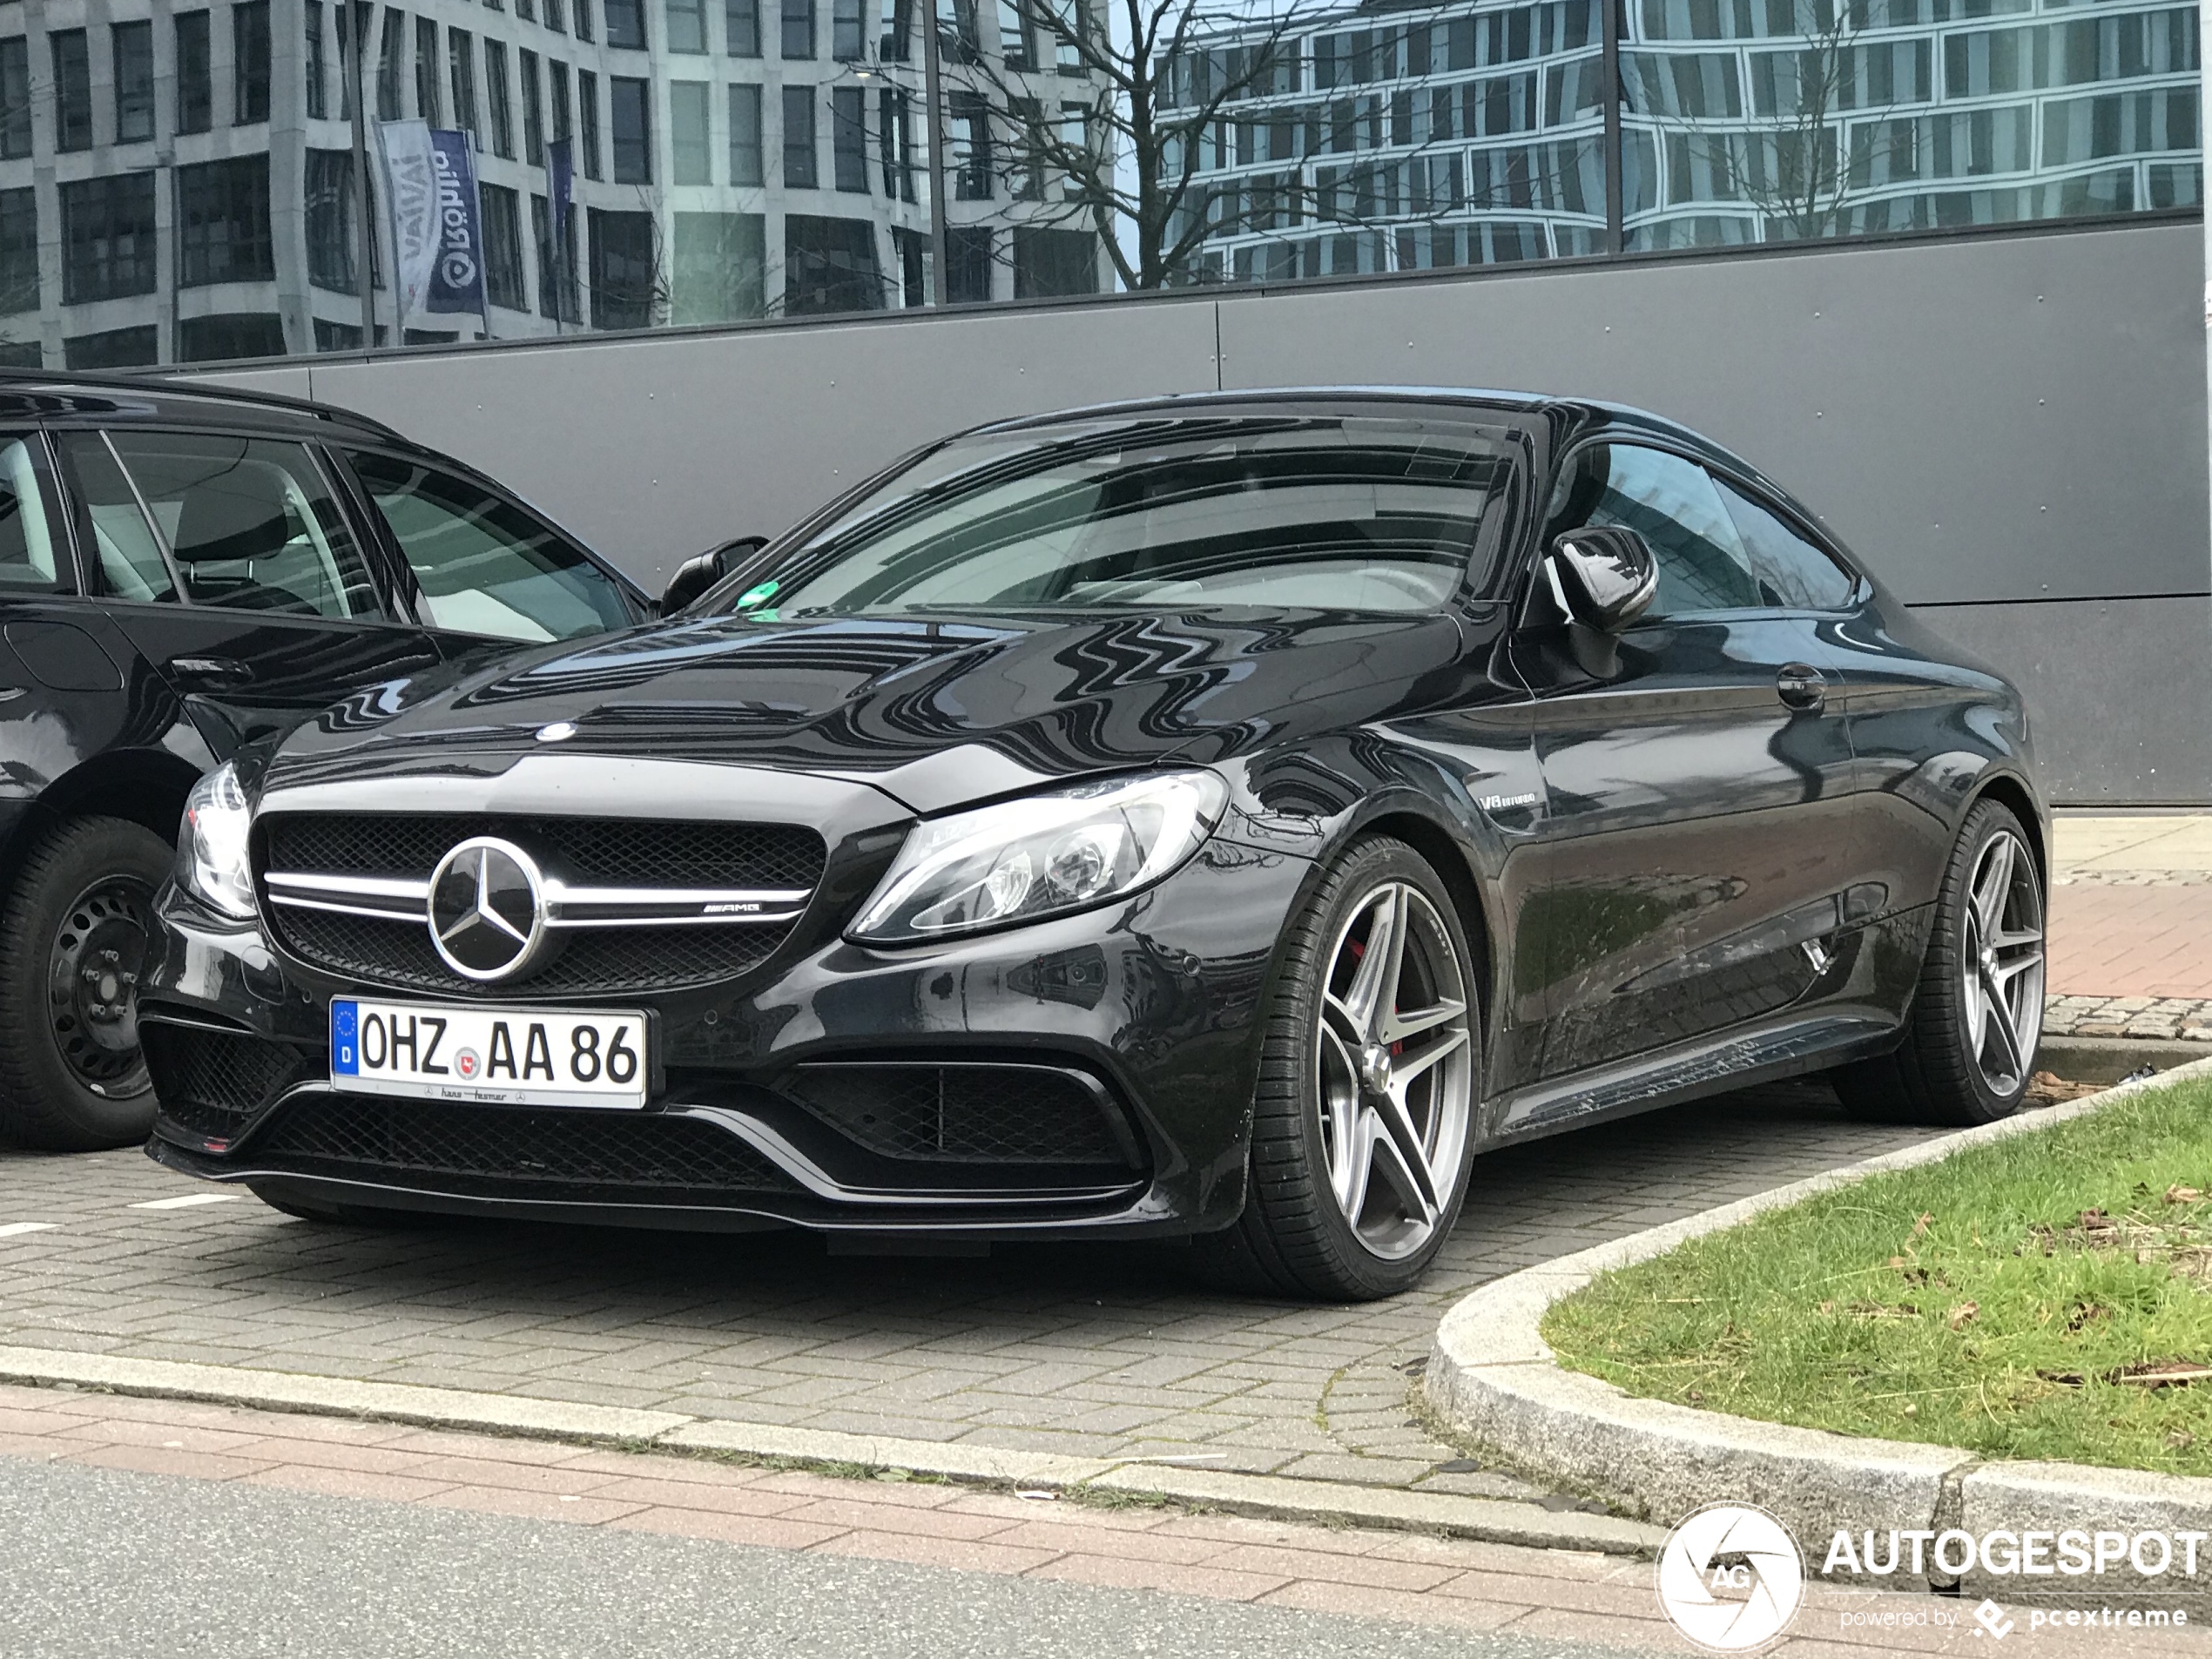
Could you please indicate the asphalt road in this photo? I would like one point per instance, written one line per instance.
(108, 1564)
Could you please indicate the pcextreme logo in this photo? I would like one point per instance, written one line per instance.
(1731, 1578)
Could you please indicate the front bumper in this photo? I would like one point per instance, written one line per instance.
(1092, 1075)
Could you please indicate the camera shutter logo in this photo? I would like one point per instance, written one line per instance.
(1731, 1578)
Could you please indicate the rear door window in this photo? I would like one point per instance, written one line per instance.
(482, 564)
(32, 556)
(249, 525)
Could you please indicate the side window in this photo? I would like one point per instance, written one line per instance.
(108, 518)
(1791, 571)
(1676, 505)
(28, 557)
(249, 523)
(484, 566)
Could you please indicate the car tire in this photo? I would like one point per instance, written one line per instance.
(1969, 1046)
(1357, 1171)
(74, 933)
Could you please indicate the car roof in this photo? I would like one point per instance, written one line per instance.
(1573, 412)
(109, 398)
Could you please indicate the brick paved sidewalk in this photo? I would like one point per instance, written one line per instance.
(1400, 1576)
(2130, 927)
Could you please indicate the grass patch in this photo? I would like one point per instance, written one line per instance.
(2045, 1295)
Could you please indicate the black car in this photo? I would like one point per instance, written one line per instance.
(182, 571)
(1220, 817)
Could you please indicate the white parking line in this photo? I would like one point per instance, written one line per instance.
(189, 1201)
(11, 1229)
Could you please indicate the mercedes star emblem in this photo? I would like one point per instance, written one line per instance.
(487, 908)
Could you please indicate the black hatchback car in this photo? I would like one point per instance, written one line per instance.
(1221, 817)
(182, 571)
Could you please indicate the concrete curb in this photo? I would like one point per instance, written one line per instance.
(1492, 1375)
(1271, 1497)
(2106, 1060)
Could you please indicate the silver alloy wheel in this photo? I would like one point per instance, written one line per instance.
(1394, 1058)
(2002, 963)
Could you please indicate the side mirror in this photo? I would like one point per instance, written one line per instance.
(1605, 574)
(695, 576)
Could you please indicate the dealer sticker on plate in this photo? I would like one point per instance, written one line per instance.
(503, 1057)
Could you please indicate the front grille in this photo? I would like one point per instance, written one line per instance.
(586, 852)
(963, 1114)
(212, 1082)
(591, 961)
(545, 1153)
(603, 852)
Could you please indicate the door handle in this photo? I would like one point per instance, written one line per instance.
(210, 673)
(1800, 686)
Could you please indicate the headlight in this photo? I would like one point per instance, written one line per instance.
(1043, 855)
(211, 844)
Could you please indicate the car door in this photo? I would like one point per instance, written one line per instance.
(479, 569)
(1696, 782)
(228, 561)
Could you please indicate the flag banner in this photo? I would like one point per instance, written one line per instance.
(411, 198)
(457, 274)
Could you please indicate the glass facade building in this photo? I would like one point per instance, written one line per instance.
(178, 180)
(1388, 138)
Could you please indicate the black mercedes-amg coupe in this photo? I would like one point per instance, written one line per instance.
(1222, 817)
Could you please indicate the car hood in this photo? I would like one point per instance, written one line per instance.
(931, 710)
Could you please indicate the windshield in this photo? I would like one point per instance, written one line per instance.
(1287, 512)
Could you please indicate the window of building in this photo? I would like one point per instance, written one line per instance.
(631, 107)
(22, 353)
(461, 52)
(138, 348)
(970, 149)
(967, 264)
(1050, 264)
(718, 273)
(533, 110)
(195, 74)
(846, 40)
(249, 522)
(250, 62)
(799, 139)
(586, 101)
(496, 92)
(895, 116)
(393, 51)
(686, 20)
(482, 565)
(583, 19)
(797, 28)
(622, 270)
(15, 97)
(330, 221)
(1025, 167)
(898, 31)
(107, 237)
(689, 145)
(318, 69)
(741, 23)
(849, 138)
(830, 264)
(557, 274)
(72, 89)
(503, 283)
(526, 10)
(426, 72)
(626, 24)
(18, 251)
(228, 336)
(133, 43)
(342, 22)
(747, 165)
(223, 222)
(557, 82)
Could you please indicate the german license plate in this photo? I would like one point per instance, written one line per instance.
(502, 1056)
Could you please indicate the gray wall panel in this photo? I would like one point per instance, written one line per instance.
(2015, 419)
(2009, 418)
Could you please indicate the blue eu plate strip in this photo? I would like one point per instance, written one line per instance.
(345, 1035)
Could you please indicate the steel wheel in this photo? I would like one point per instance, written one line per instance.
(2001, 963)
(92, 986)
(1393, 1061)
